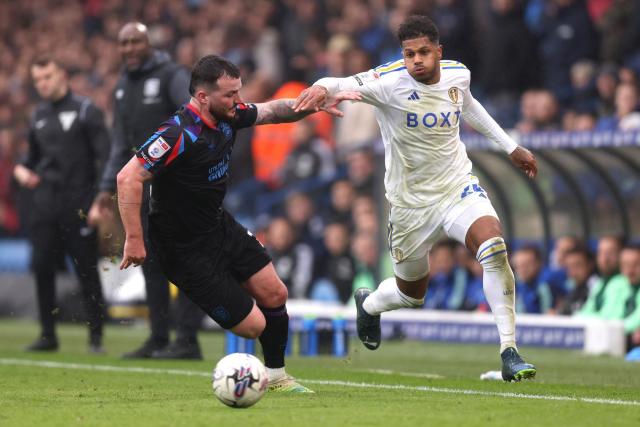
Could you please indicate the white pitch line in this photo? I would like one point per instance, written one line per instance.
(110, 368)
(402, 374)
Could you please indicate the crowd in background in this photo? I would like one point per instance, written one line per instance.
(311, 190)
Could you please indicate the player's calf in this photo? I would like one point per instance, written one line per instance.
(499, 288)
(370, 305)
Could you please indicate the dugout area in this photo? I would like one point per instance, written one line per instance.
(588, 185)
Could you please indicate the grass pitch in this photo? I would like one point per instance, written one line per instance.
(401, 384)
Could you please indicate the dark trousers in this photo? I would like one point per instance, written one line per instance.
(188, 315)
(66, 233)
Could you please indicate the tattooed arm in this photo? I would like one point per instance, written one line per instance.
(130, 186)
(278, 111)
(281, 110)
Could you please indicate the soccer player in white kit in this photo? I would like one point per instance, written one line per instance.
(419, 102)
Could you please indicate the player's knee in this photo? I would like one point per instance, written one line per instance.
(492, 254)
(412, 270)
(276, 296)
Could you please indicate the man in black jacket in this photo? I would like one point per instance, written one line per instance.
(150, 88)
(68, 141)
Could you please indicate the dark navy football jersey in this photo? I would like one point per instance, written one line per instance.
(189, 158)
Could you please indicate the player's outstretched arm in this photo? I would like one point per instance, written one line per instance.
(282, 111)
(130, 185)
(313, 97)
(475, 114)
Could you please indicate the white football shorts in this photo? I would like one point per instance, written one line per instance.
(413, 231)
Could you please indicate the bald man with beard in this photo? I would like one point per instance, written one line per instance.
(150, 89)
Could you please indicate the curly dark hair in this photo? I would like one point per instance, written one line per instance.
(417, 26)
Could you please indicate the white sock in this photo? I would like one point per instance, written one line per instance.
(499, 288)
(275, 374)
(388, 297)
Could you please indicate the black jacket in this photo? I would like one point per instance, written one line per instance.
(142, 101)
(68, 144)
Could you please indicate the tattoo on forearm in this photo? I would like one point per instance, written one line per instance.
(279, 111)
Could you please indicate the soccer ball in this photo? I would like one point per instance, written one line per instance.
(239, 380)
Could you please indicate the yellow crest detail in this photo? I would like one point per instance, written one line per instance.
(453, 94)
(397, 254)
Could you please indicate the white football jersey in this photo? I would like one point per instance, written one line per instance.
(420, 125)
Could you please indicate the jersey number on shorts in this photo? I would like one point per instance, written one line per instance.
(474, 188)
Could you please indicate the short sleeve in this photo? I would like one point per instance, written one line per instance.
(246, 115)
(162, 148)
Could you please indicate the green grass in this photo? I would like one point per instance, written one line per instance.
(37, 395)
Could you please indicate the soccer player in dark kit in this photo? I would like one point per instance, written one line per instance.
(214, 260)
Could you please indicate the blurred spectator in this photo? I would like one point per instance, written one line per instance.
(337, 57)
(607, 263)
(546, 111)
(310, 156)
(364, 216)
(532, 294)
(389, 50)
(584, 122)
(573, 121)
(527, 122)
(256, 88)
(361, 170)
(364, 247)
(292, 260)
(580, 279)
(626, 295)
(447, 283)
(361, 21)
(626, 115)
(272, 144)
(584, 97)
(508, 64)
(305, 220)
(342, 196)
(622, 299)
(453, 18)
(567, 37)
(336, 269)
(539, 112)
(628, 75)
(555, 272)
(9, 223)
(606, 83)
(620, 29)
(303, 21)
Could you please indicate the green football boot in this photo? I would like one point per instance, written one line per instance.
(287, 384)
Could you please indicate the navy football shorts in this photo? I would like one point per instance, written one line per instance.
(210, 268)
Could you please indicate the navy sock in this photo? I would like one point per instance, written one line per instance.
(275, 335)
